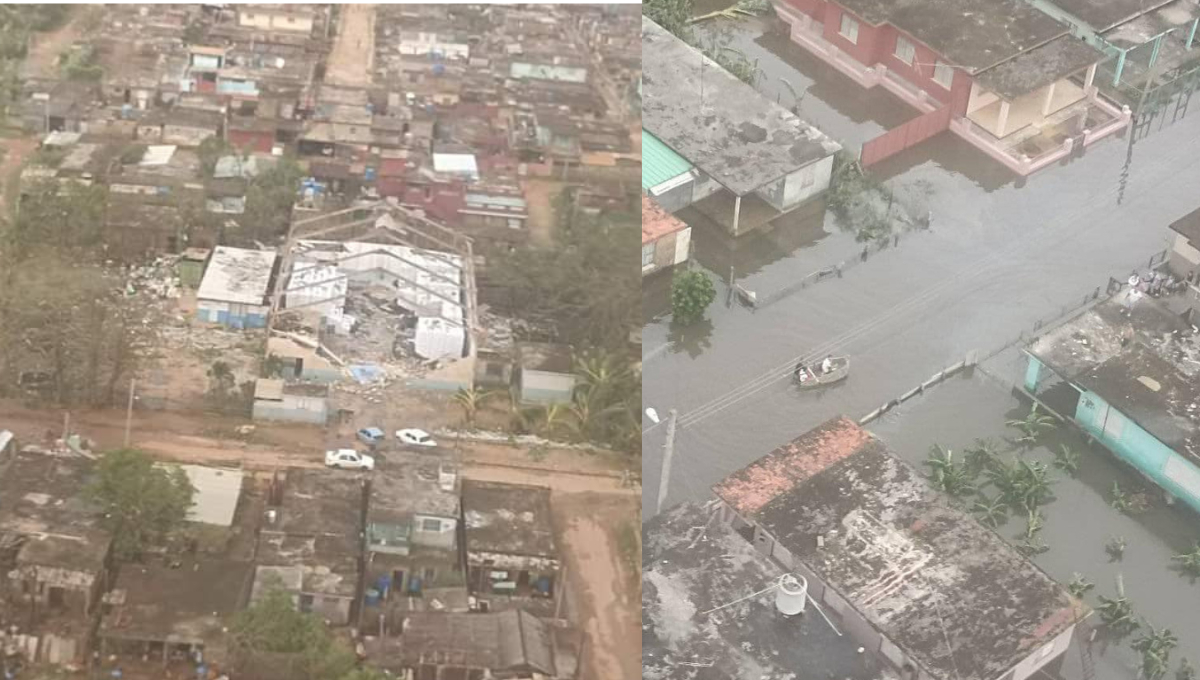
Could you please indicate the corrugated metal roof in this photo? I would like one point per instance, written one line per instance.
(217, 493)
(659, 162)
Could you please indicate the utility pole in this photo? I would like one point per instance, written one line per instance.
(129, 411)
(668, 451)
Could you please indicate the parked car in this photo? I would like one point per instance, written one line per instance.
(371, 436)
(415, 437)
(349, 459)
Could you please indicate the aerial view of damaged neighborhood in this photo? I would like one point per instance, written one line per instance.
(319, 342)
(921, 364)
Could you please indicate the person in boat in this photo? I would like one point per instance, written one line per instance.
(827, 365)
(801, 372)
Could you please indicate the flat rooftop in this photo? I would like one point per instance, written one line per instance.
(512, 519)
(656, 222)
(1102, 15)
(735, 135)
(237, 275)
(319, 502)
(1188, 226)
(1039, 67)
(188, 604)
(1151, 377)
(896, 551)
(972, 34)
(691, 563)
(411, 483)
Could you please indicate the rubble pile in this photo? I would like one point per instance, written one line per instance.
(159, 278)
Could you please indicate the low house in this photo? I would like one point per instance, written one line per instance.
(174, 612)
(235, 287)
(691, 564)
(495, 217)
(1003, 75)
(218, 491)
(275, 399)
(511, 645)
(191, 266)
(277, 17)
(544, 373)
(1185, 248)
(1125, 373)
(312, 543)
(666, 240)
(759, 153)
(669, 178)
(413, 512)
(893, 564)
(512, 556)
(54, 556)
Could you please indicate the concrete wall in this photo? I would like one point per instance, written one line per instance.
(185, 136)
(293, 409)
(800, 186)
(541, 387)
(250, 17)
(1139, 448)
(232, 315)
(1185, 258)
(676, 198)
(334, 609)
(442, 538)
(1044, 655)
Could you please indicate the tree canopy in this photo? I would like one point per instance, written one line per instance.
(273, 625)
(142, 503)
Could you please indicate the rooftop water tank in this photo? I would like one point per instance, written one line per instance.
(792, 595)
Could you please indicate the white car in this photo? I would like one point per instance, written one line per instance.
(414, 437)
(349, 459)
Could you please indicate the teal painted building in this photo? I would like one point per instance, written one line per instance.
(1134, 34)
(1125, 373)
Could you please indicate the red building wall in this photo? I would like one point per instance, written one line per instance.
(261, 142)
(866, 48)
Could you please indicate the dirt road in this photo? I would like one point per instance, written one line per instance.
(601, 543)
(540, 195)
(352, 59)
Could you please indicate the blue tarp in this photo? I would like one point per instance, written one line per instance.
(366, 373)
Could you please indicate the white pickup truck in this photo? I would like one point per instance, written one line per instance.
(349, 459)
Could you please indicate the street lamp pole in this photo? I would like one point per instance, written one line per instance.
(668, 451)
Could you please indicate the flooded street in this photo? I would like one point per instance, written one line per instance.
(1002, 253)
(1079, 522)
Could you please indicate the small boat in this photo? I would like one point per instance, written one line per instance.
(839, 372)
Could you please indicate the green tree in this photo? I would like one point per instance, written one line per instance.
(1155, 646)
(1079, 585)
(947, 475)
(273, 626)
(1033, 426)
(691, 294)
(269, 201)
(471, 399)
(672, 15)
(66, 217)
(1186, 670)
(1189, 562)
(141, 503)
(210, 151)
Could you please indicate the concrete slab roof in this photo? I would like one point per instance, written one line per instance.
(187, 604)
(725, 127)
(656, 222)
(1037, 68)
(414, 483)
(237, 275)
(971, 34)
(1188, 226)
(320, 503)
(1102, 15)
(1138, 356)
(906, 560)
(217, 493)
(511, 519)
(691, 563)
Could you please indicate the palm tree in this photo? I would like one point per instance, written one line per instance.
(1189, 562)
(1033, 426)
(471, 399)
(1079, 585)
(982, 454)
(1117, 613)
(1066, 459)
(947, 475)
(1155, 647)
(550, 419)
(600, 373)
(1186, 671)
(992, 511)
(590, 417)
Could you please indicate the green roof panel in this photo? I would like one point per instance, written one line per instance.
(659, 162)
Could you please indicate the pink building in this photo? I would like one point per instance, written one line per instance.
(1001, 74)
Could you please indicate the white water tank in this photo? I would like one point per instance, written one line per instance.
(792, 595)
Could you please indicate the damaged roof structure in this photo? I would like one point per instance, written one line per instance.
(884, 550)
(510, 644)
(693, 568)
(1125, 371)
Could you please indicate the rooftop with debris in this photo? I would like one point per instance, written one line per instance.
(693, 564)
(868, 525)
(508, 519)
(717, 122)
(415, 483)
(319, 503)
(186, 604)
(1135, 353)
(237, 275)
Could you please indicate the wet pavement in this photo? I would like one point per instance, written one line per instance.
(1079, 521)
(1002, 252)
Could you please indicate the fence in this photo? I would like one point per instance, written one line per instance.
(753, 300)
(907, 135)
(1065, 313)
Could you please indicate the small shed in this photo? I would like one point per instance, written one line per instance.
(233, 291)
(544, 374)
(191, 266)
